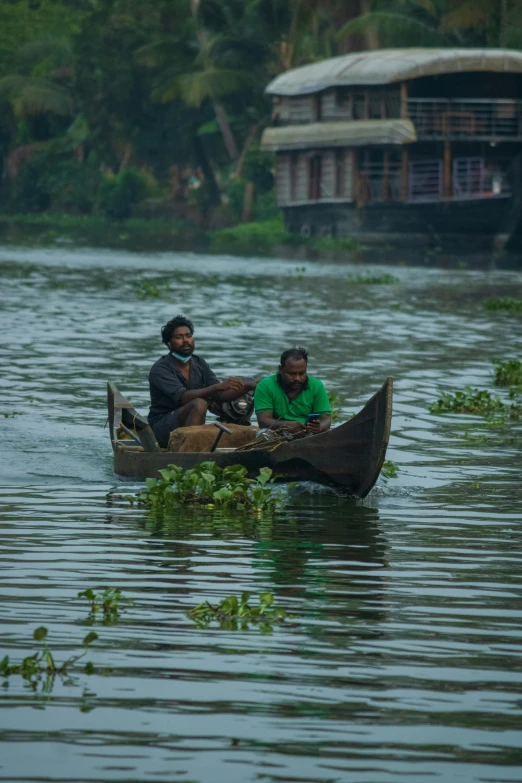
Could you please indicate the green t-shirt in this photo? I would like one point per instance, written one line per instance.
(270, 396)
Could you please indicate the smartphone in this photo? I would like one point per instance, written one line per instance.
(312, 417)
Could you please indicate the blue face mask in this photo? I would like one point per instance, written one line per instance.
(182, 359)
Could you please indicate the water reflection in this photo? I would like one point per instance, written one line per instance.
(403, 660)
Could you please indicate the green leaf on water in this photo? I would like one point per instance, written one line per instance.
(91, 637)
(267, 599)
(40, 634)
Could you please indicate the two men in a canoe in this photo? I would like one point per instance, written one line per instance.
(182, 386)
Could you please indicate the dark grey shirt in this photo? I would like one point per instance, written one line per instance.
(167, 384)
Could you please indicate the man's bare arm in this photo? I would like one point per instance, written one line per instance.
(230, 389)
(266, 419)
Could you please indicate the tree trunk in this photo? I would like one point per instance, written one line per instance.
(504, 21)
(226, 131)
(206, 168)
(224, 126)
(372, 39)
(248, 198)
(246, 146)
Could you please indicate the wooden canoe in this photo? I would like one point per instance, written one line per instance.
(348, 457)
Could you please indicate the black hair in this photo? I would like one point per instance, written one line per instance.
(168, 330)
(293, 353)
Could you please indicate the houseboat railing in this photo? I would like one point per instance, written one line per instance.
(469, 178)
(463, 118)
(377, 182)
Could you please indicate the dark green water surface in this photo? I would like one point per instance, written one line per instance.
(403, 661)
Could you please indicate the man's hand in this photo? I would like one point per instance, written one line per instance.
(231, 384)
(313, 427)
(293, 426)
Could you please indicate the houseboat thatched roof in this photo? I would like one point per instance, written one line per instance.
(386, 66)
(338, 134)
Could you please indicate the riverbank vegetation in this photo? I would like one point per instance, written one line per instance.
(261, 238)
(169, 129)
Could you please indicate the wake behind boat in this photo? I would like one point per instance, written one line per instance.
(348, 457)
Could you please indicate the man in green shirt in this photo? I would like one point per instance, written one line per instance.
(286, 400)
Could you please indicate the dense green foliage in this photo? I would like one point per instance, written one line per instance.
(109, 104)
(208, 485)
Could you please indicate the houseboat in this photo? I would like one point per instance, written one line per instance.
(401, 142)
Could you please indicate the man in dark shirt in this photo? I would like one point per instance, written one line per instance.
(182, 384)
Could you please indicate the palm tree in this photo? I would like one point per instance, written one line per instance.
(403, 23)
(40, 84)
(439, 22)
(195, 66)
(492, 23)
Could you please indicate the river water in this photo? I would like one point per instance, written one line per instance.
(403, 658)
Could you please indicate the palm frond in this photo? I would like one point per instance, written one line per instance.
(213, 83)
(398, 28)
(166, 50)
(473, 13)
(55, 52)
(30, 96)
(10, 85)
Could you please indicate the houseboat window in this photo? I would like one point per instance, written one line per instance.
(376, 106)
(293, 176)
(379, 176)
(340, 174)
(343, 97)
(314, 180)
(475, 178)
(467, 176)
(392, 104)
(317, 107)
(360, 106)
(425, 181)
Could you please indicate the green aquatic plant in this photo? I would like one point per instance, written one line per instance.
(336, 246)
(11, 415)
(233, 613)
(232, 322)
(210, 486)
(389, 470)
(475, 401)
(508, 373)
(107, 602)
(335, 406)
(385, 279)
(508, 304)
(147, 289)
(42, 662)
